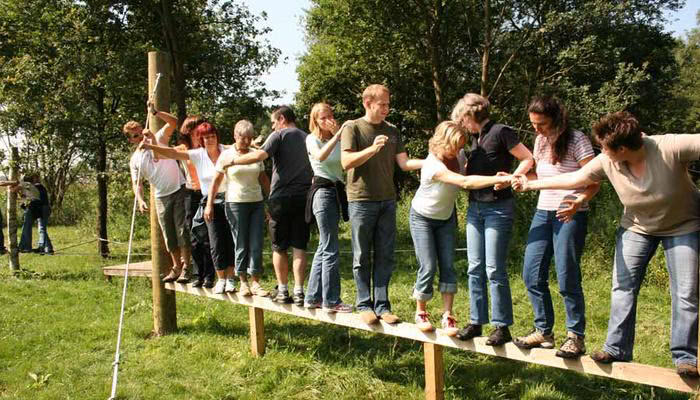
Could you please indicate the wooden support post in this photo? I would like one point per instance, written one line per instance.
(164, 313)
(12, 212)
(434, 372)
(257, 331)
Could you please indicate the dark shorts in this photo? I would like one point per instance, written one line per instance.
(288, 225)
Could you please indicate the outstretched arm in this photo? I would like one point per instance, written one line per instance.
(470, 181)
(406, 164)
(166, 152)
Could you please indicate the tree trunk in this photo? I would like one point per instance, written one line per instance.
(487, 50)
(12, 212)
(171, 40)
(435, 59)
(102, 245)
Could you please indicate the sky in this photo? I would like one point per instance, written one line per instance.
(285, 19)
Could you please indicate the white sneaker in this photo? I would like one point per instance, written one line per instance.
(230, 286)
(220, 286)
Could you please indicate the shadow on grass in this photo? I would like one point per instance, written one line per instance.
(63, 275)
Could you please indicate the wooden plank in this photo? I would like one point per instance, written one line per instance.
(434, 372)
(135, 269)
(257, 331)
(632, 372)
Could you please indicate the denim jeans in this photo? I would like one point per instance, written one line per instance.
(324, 278)
(434, 242)
(44, 240)
(489, 225)
(373, 226)
(632, 254)
(246, 221)
(550, 237)
(25, 241)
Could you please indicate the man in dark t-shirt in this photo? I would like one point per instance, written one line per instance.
(291, 179)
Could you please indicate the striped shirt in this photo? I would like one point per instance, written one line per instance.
(579, 149)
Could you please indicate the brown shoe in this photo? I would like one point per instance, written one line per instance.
(687, 370)
(368, 317)
(184, 275)
(603, 357)
(390, 318)
(172, 276)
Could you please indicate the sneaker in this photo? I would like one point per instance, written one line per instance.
(687, 370)
(390, 318)
(573, 346)
(368, 317)
(230, 286)
(423, 322)
(534, 339)
(184, 275)
(298, 298)
(469, 332)
(339, 308)
(258, 290)
(220, 286)
(172, 276)
(603, 357)
(244, 289)
(449, 324)
(499, 336)
(312, 305)
(198, 283)
(281, 296)
(208, 283)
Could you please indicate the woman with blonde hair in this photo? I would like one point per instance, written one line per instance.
(326, 201)
(433, 221)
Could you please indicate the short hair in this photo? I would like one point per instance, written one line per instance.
(314, 128)
(286, 112)
(371, 92)
(446, 137)
(618, 129)
(473, 105)
(206, 128)
(552, 108)
(190, 123)
(244, 128)
(130, 126)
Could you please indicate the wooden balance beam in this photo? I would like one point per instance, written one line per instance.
(135, 269)
(433, 344)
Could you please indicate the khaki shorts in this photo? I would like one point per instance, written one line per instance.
(171, 218)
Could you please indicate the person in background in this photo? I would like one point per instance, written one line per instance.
(661, 206)
(558, 229)
(433, 221)
(325, 203)
(370, 149)
(245, 210)
(489, 217)
(35, 202)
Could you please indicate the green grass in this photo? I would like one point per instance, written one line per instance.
(59, 316)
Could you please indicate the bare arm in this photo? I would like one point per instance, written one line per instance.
(352, 159)
(570, 180)
(264, 183)
(323, 153)
(470, 181)
(406, 164)
(166, 152)
(565, 214)
(137, 188)
(526, 160)
(169, 119)
(213, 190)
(248, 158)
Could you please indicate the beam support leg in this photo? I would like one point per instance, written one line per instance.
(257, 331)
(434, 372)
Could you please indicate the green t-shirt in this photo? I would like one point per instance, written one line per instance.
(373, 180)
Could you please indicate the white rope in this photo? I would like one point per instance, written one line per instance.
(115, 374)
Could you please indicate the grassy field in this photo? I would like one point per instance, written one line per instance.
(59, 317)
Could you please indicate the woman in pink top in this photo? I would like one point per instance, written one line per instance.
(662, 206)
(558, 229)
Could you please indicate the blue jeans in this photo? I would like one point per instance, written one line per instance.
(489, 225)
(25, 241)
(548, 236)
(434, 242)
(246, 221)
(44, 240)
(324, 278)
(373, 227)
(632, 254)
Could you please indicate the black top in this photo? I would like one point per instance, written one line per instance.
(291, 171)
(489, 154)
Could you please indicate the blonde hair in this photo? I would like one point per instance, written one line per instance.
(130, 126)
(244, 128)
(315, 111)
(371, 92)
(446, 138)
(472, 105)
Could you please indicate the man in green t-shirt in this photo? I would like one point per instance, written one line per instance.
(370, 148)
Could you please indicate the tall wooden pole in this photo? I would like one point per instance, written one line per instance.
(12, 212)
(164, 313)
